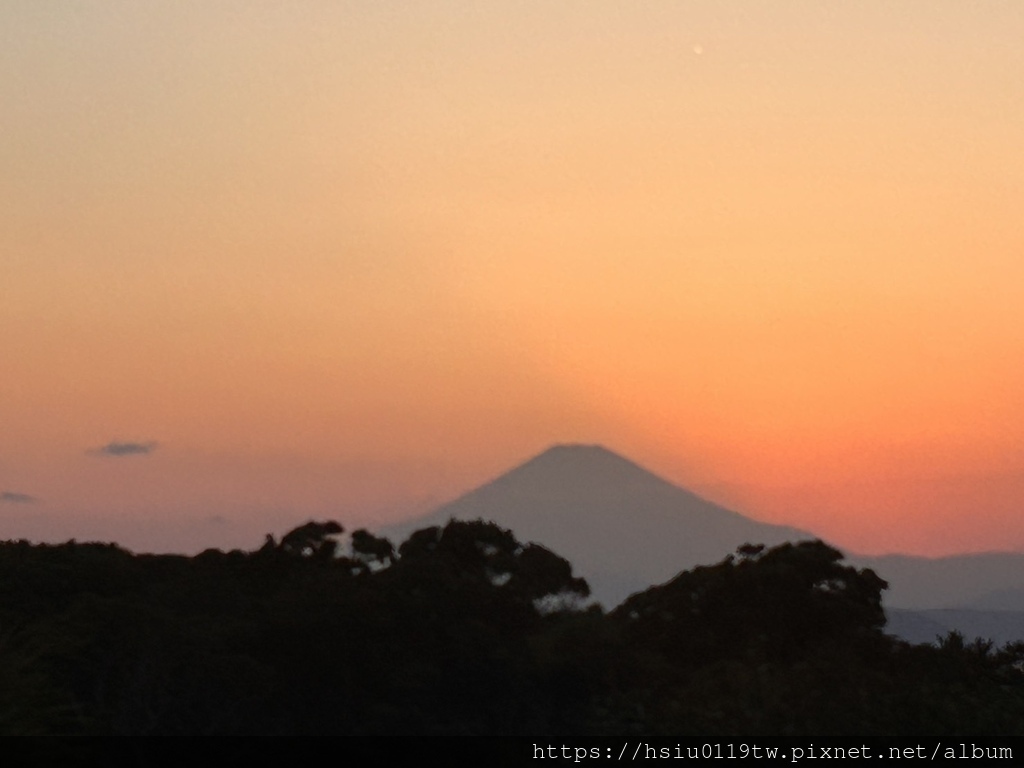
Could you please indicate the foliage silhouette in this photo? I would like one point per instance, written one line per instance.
(465, 630)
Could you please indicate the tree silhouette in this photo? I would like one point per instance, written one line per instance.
(774, 604)
(465, 631)
(312, 539)
(372, 551)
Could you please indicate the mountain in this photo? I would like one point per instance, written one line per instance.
(980, 595)
(926, 626)
(622, 527)
(984, 581)
(625, 529)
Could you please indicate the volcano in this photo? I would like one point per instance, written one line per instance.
(623, 528)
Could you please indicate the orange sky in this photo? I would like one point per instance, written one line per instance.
(352, 259)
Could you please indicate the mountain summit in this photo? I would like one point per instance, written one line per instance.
(622, 527)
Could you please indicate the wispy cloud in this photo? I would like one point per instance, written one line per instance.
(10, 497)
(119, 449)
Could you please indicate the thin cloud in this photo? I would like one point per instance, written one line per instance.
(118, 449)
(10, 497)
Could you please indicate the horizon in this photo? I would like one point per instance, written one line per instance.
(428, 514)
(261, 264)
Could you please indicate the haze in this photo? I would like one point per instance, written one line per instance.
(261, 262)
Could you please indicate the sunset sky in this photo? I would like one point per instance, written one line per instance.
(266, 261)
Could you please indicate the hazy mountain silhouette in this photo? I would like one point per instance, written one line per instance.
(622, 527)
(927, 626)
(979, 595)
(986, 581)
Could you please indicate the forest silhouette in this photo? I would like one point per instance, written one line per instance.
(462, 630)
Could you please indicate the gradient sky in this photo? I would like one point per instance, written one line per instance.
(261, 261)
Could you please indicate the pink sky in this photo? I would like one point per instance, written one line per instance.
(352, 260)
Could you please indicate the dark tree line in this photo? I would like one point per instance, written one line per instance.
(463, 630)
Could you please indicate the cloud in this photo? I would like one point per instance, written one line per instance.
(10, 497)
(124, 449)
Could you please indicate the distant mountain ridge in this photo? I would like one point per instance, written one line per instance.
(926, 626)
(983, 581)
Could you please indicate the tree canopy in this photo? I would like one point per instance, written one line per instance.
(462, 629)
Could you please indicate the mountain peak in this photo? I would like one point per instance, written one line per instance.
(580, 448)
(578, 463)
